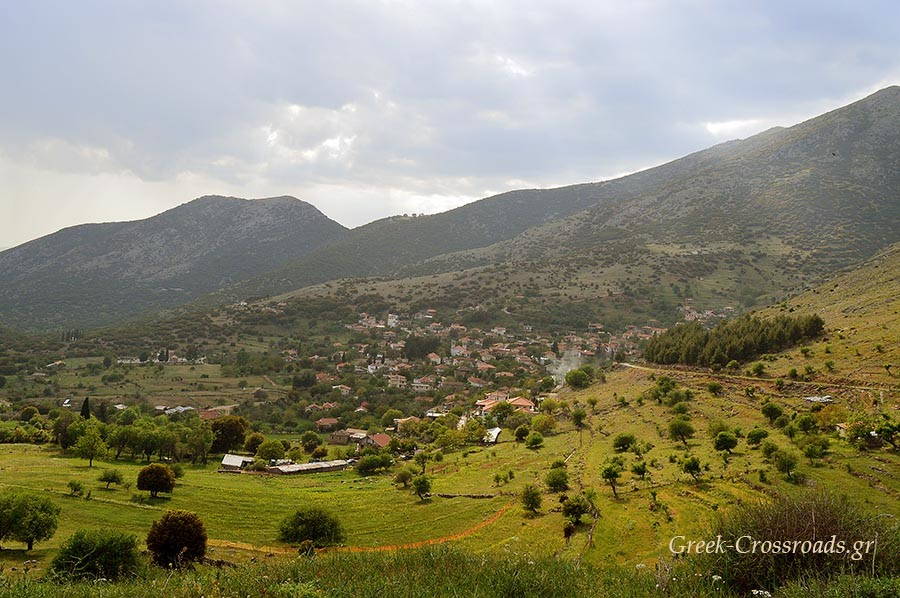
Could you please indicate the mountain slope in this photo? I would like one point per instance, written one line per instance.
(96, 273)
(742, 223)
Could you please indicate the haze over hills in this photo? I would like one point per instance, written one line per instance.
(739, 224)
(94, 274)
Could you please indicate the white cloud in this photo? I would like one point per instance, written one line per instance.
(731, 129)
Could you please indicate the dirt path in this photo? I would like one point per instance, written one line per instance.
(385, 548)
(674, 371)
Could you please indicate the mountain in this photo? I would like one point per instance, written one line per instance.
(740, 224)
(95, 274)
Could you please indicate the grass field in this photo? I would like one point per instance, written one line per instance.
(246, 509)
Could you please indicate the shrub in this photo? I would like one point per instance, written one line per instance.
(769, 448)
(95, 554)
(76, 488)
(623, 442)
(575, 507)
(772, 412)
(156, 478)
(177, 470)
(311, 524)
(543, 424)
(811, 519)
(531, 498)
(177, 539)
(535, 440)
(557, 480)
(681, 429)
(404, 476)
(371, 464)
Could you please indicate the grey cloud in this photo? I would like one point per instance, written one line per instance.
(406, 100)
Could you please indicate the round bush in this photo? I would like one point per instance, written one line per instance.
(95, 554)
(316, 525)
(177, 539)
(156, 478)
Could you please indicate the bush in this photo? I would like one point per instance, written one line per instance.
(270, 449)
(371, 464)
(110, 476)
(311, 524)
(623, 442)
(575, 507)
(531, 498)
(557, 480)
(95, 554)
(76, 488)
(253, 441)
(522, 433)
(535, 440)
(812, 518)
(156, 478)
(177, 539)
(756, 436)
(421, 486)
(578, 379)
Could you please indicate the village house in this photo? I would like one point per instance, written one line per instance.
(326, 424)
(234, 462)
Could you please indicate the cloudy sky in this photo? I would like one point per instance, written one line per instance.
(118, 110)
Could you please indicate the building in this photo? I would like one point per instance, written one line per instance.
(347, 436)
(326, 423)
(234, 463)
(491, 436)
(314, 467)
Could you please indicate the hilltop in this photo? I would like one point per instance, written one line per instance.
(94, 274)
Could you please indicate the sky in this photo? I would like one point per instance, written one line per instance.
(119, 110)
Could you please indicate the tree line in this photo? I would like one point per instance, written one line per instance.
(739, 339)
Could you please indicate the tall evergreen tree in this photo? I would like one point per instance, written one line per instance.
(86, 408)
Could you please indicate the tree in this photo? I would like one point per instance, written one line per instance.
(557, 479)
(229, 433)
(611, 474)
(200, 441)
(575, 507)
(725, 441)
(389, 416)
(785, 462)
(310, 440)
(311, 524)
(86, 408)
(421, 486)
(110, 476)
(578, 417)
(253, 441)
(772, 412)
(177, 539)
(404, 477)
(755, 436)
(522, 433)
(577, 379)
(371, 464)
(270, 449)
(535, 441)
(691, 466)
(531, 498)
(91, 446)
(304, 379)
(422, 458)
(640, 469)
(681, 429)
(156, 478)
(29, 517)
(97, 554)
